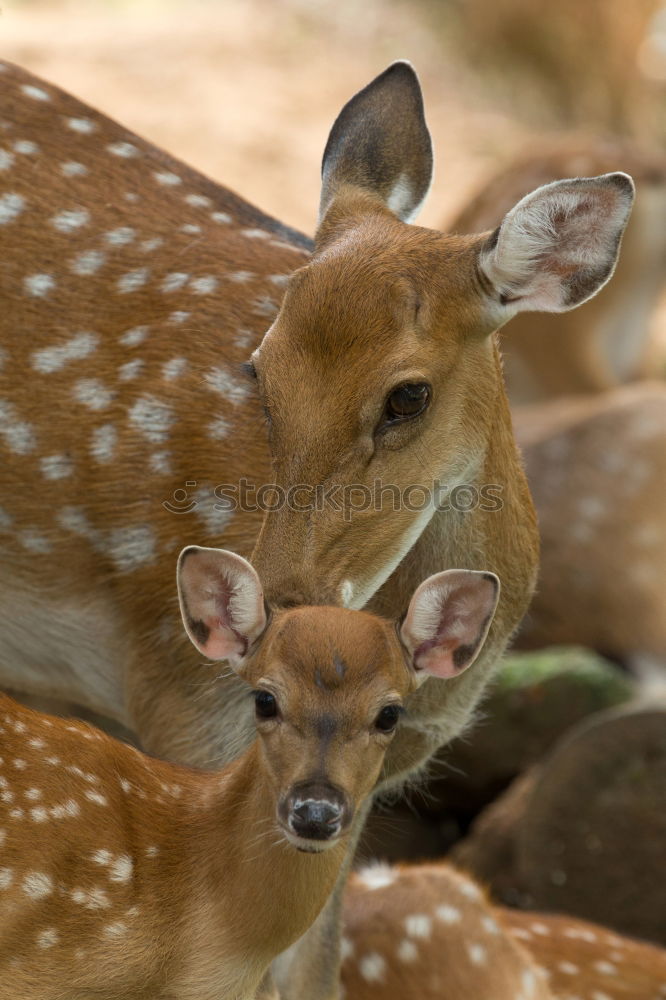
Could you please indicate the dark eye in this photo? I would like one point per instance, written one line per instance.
(265, 705)
(387, 719)
(407, 401)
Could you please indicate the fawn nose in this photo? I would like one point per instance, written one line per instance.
(316, 813)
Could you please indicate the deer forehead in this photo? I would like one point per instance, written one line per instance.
(334, 650)
(366, 291)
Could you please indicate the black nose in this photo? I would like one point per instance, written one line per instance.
(315, 819)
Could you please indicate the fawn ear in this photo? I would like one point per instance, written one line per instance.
(447, 621)
(558, 246)
(221, 602)
(380, 145)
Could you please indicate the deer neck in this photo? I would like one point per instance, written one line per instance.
(258, 894)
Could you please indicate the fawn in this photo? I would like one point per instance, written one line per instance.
(126, 876)
(429, 931)
(143, 287)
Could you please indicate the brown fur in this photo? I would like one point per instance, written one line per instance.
(560, 956)
(202, 889)
(597, 469)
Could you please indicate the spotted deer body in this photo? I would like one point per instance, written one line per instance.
(126, 876)
(430, 931)
(143, 286)
(596, 466)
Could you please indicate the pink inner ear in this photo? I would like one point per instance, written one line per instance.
(436, 657)
(222, 642)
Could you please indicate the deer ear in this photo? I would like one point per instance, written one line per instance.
(380, 145)
(221, 602)
(448, 620)
(559, 245)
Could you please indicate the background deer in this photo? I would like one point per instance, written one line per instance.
(143, 286)
(596, 468)
(127, 876)
(607, 342)
(429, 931)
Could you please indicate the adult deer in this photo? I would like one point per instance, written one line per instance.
(595, 466)
(139, 286)
(127, 876)
(607, 342)
(429, 931)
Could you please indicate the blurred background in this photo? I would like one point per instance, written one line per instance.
(517, 93)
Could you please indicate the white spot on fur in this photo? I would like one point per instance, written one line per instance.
(152, 418)
(52, 359)
(448, 914)
(6, 878)
(179, 316)
(88, 262)
(218, 428)
(123, 149)
(131, 547)
(241, 277)
(130, 370)
(36, 93)
(91, 392)
(134, 336)
(120, 237)
(84, 126)
(223, 382)
(33, 794)
(67, 222)
(39, 814)
(37, 885)
(95, 797)
(372, 967)
(116, 930)
(152, 244)
(477, 953)
(18, 435)
(568, 968)
(73, 169)
(47, 938)
(173, 368)
(418, 925)
(538, 928)
(34, 542)
(190, 228)
(407, 951)
(102, 857)
(167, 178)
(255, 234)
(204, 285)
(222, 217)
(377, 876)
(172, 282)
(121, 869)
(91, 899)
(6, 159)
(26, 147)
(132, 281)
(38, 285)
(103, 443)
(606, 968)
(197, 200)
(160, 463)
(56, 466)
(11, 205)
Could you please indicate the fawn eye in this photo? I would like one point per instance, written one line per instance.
(265, 705)
(406, 402)
(387, 719)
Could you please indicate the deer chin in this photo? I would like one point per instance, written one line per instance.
(308, 846)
